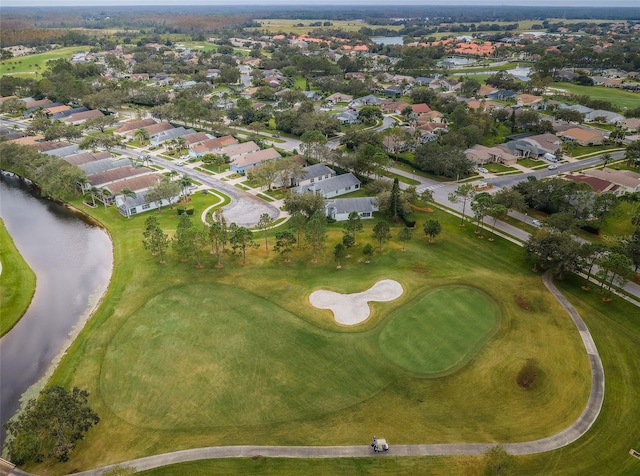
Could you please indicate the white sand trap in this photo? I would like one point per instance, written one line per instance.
(351, 309)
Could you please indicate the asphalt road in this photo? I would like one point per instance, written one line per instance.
(244, 209)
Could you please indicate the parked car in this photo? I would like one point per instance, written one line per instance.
(483, 170)
(536, 222)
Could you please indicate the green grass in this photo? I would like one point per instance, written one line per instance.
(17, 282)
(277, 25)
(530, 163)
(498, 168)
(159, 329)
(29, 65)
(415, 338)
(616, 96)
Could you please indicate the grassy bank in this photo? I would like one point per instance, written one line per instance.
(17, 282)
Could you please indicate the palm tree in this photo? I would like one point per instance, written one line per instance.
(181, 144)
(83, 181)
(606, 158)
(94, 191)
(142, 134)
(105, 193)
(127, 193)
(185, 181)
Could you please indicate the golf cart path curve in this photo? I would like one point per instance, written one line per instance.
(565, 437)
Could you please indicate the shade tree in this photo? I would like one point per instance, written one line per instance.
(432, 228)
(381, 233)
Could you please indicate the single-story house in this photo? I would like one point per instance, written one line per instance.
(487, 155)
(169, 134)
(101, 179)
(68, 112)
(598, 185)
(628, 180)
(340, 208)
(348, 117)
(134, 126)
(140, 203)
(234, 151)
(583, 137)
(253, 159)
(315, 173)
(86, 157)
(99, 166)
(339, 97)
(502, 95)
(395, 91)
(609, 117)
(332, 187)
(81, 117)
(389, 106)
(369, 100)
(211, 146)
(69, 149)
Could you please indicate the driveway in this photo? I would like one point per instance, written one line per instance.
(244, 209)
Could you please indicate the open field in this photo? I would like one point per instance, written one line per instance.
(29, 65)
(280, 25)
(616, 96)
(17, 282)
(188, 397)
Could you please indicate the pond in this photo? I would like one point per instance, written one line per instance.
(387, 40)
(72, 261)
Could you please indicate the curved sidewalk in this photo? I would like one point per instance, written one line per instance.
(565, 437)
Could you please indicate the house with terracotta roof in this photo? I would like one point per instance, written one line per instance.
(50, 111)
(584, 137)
(417, 109)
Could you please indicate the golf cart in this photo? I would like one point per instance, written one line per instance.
(379, 445)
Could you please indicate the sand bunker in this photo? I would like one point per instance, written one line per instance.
(351, 309)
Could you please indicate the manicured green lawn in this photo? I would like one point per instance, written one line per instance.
(439, 331)
(497, 168)
(179, 357)
(17, 282)
(616, 96)
(37, 63)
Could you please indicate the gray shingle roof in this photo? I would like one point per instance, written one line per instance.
(348, 205)
(331, 185)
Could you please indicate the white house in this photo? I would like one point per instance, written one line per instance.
(315, 173)
(340, 208)
(332, 187)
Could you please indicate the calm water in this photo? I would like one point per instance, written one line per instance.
(387, 40)
(72, 262)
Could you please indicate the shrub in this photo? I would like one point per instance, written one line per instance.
(180, 210)
(189, 211)
(528, 373)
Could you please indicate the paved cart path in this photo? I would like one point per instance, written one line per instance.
(565, 437)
